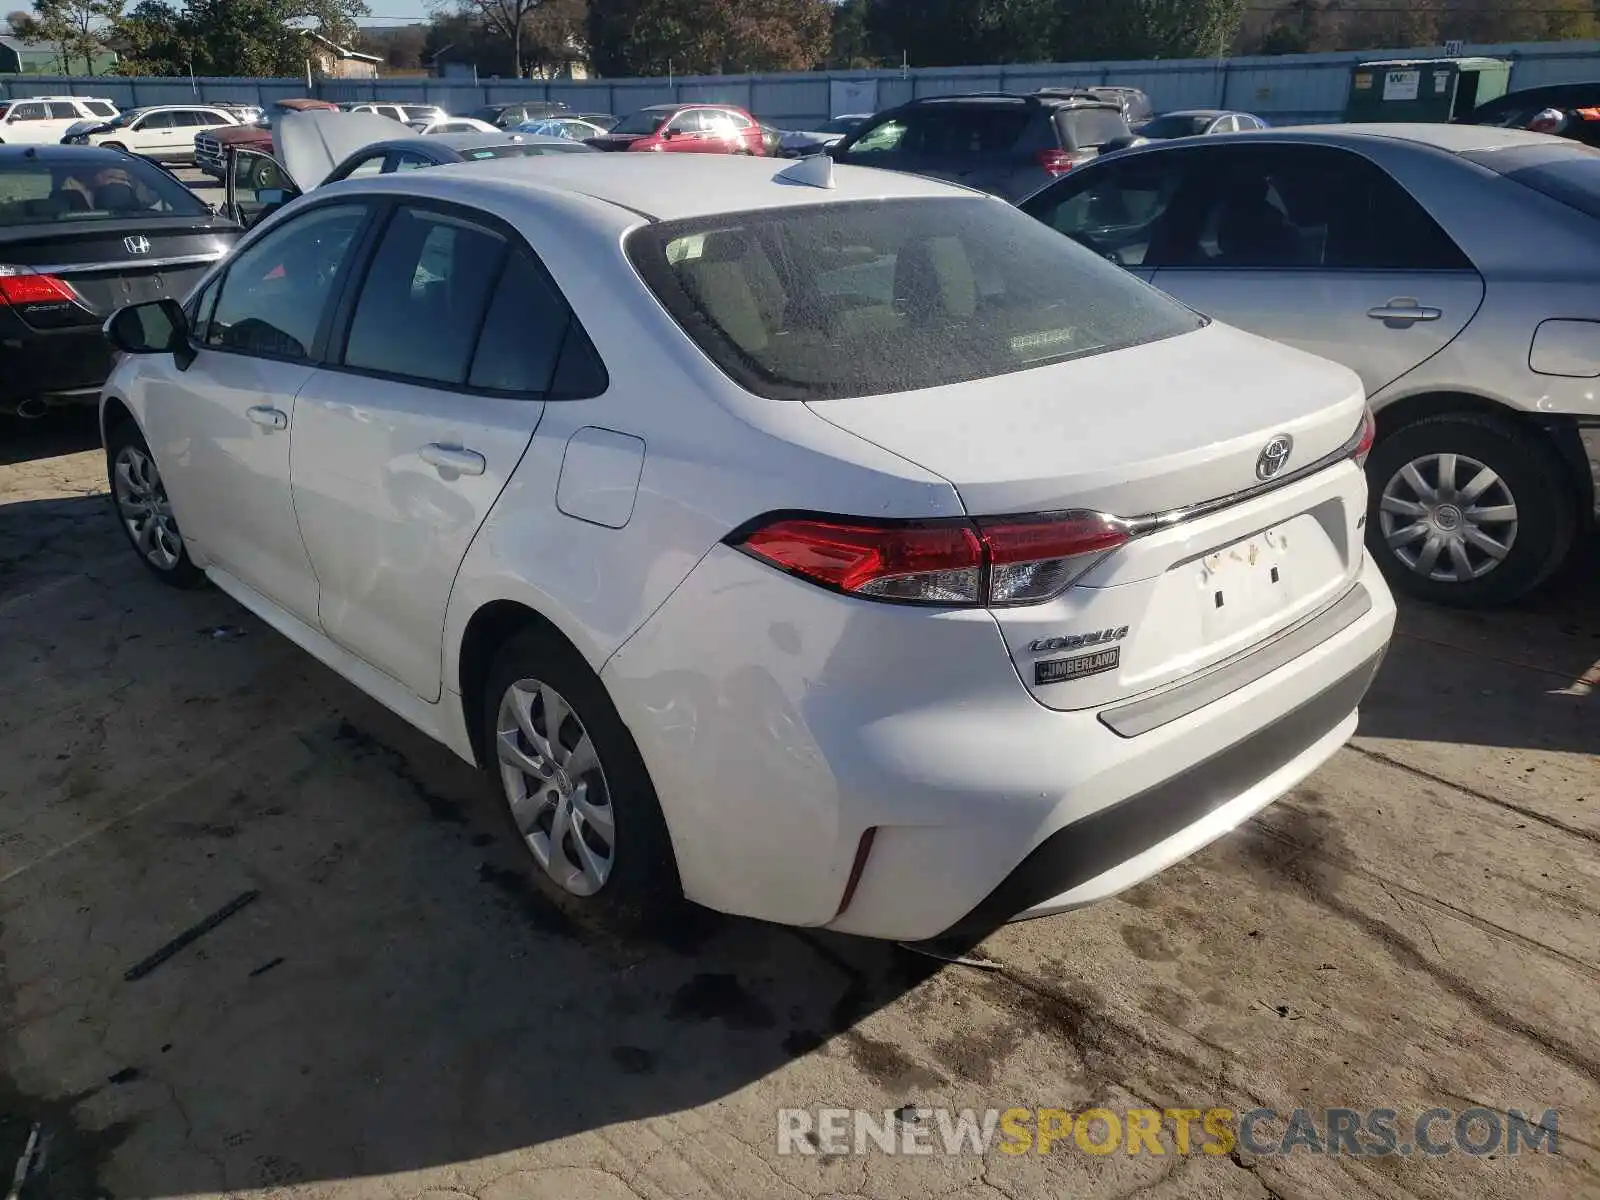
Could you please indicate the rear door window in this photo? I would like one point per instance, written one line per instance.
(63, 111)
(968, 129)
(837, 300)
(424, 298)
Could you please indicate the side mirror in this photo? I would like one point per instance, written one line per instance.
(669, 133)
(155, 327)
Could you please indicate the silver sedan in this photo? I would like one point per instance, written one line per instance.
(1456, 268)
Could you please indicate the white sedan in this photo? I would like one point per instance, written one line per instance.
(828, 546)
(453, 125)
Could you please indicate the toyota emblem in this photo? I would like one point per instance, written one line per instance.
(1273, 455)
(137, 244)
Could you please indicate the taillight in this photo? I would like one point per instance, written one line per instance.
(995, 561)
(1055, 162)
(1034, 558)
(20, 285)
(1364, 440)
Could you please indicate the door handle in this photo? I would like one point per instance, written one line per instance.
(1404, 309)
(454, 458)
(268, 418)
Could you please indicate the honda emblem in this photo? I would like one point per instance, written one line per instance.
(137, 244)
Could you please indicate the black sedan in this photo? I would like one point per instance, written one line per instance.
(84, 231)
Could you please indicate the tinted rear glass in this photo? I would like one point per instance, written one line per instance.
(1175, 126)
(1088, 127)
(40, 191)
(1568, 173)
(869, 298)
(966, 129)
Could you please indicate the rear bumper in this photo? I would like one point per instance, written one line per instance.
(60, 365)
(781, 723)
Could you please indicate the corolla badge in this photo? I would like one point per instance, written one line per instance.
(1273, 456)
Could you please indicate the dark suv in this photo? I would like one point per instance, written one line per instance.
(1010, 145)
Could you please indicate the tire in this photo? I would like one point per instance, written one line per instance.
(640, 891)
(1504, 559)
(139, 503)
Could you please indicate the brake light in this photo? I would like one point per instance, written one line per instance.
(1055, 162)
(1364, 440)
(20, 285)
(995, 561)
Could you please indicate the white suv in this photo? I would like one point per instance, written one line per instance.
(830, 546)
(44, 120)
(164, 132)
(406, 114)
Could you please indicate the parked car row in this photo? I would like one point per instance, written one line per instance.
(835, 547)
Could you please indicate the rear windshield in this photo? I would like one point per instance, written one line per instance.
(874, 297)
(644, 121)
(1089, 127)
(1569, 173)
(39, 191)
(1174, 125)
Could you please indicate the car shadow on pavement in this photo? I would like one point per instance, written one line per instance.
(370, 984)
(1522, 677)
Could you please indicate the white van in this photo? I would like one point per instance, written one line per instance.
(43, 120)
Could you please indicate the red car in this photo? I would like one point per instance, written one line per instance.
(686, 129)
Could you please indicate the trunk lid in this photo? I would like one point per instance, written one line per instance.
(1151, 430)
(113, 263)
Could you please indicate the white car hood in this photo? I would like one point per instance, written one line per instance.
(311, 144)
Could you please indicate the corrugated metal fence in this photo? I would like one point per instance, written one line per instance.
(1292, 89)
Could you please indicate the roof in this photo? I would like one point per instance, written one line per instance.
(1455, 138)
(1197, 112)
(671, 186)
(475, 139)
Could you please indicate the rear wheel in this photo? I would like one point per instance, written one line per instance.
(575, 789)
(1467, 510)
(143, 509)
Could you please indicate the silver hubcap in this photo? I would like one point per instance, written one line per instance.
(144, 507)
(555, 786)
(1448, 517)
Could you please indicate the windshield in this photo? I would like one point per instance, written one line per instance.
(645, 121)
(869, 298)
(1569, 172)
(39, 191)
(1176, 125)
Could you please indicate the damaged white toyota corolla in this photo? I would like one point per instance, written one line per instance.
(841, 549)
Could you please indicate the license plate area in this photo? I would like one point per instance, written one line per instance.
(1243, 584)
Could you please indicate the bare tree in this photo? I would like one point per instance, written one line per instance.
(505, 18)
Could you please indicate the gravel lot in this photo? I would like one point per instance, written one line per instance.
(392, 1015)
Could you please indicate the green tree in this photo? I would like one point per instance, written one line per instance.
(1142, 29)
(78, 27)
(231, 37)
(707, 37)
(850, 37)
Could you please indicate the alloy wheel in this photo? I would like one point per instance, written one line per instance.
(144, 508)
(1448, 517)
(555, 786)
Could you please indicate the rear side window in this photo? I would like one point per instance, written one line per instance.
(1570, 174)
(1086, 128)
(522, 333)
(967, 129)
(100, 108)
(863, 299)
(424, 298)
